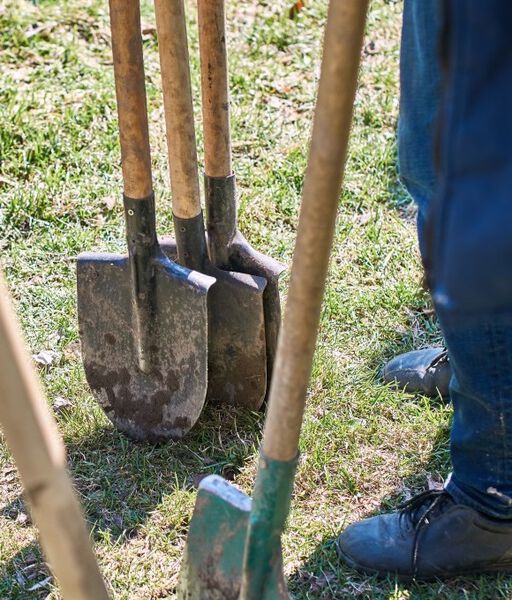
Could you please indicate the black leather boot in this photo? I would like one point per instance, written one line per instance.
(430, 537)
(426, 371)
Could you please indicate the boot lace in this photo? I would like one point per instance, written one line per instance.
(442, 358)
(418, 511)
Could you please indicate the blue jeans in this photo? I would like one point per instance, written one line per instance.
(420, 93)
(465, 225)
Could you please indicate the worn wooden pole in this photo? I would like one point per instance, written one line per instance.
(322, 186)
(214, 88)
(178, 108)
(32, 436)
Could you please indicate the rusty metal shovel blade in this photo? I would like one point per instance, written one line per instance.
(166, 401)
(229, 249)
(237, 361)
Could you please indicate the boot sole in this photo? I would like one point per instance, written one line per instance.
(405, 578)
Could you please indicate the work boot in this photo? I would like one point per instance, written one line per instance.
(430, 537)
(426, 371)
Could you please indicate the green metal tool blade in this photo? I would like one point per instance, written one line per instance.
(212, 564)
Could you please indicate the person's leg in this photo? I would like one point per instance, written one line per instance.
(467, 527)
(426, 371)
(420, 92)
(469, 251)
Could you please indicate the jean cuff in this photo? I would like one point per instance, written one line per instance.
(491, 503)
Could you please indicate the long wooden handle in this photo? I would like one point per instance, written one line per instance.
(32, 436)
(214, 87)
(324, 175)
(131, 97)
(178, 107)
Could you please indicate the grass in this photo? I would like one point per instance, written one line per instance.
(364, 446)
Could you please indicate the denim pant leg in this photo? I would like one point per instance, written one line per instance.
(469, 248)
(480, 349)
(420, 91)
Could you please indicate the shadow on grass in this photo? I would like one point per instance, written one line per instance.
(120, 483)
(323, 576)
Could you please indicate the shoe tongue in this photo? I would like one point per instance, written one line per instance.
(429, 502)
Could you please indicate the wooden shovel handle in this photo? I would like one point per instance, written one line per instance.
(32, 436)
(131, 97)
(179, 112)
(324, 175)
(214, 87)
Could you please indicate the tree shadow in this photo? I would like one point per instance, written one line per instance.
(120, 482)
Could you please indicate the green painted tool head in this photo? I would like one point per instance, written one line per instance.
(212, 565)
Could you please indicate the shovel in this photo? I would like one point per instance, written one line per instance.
(234, 545)
(32, 435)
(143, 319)
(236, 352)
(228, 248)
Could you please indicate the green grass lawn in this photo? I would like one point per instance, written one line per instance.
(364, 447)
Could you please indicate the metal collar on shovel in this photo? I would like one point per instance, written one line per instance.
(234, 546)
(143, 319)
(236, 353)
(228, 248)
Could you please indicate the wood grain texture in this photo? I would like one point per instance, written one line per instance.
(178, 107)
(131, 97)
(214, 87)
(322, 186)
(32, 436)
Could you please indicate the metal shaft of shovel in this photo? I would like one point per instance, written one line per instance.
(143, 319)
(237, 350)
(234, 548)
(136, 166)
(227, 247)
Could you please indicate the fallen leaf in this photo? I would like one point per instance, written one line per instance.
(110, 201)
(99, 221)
(23, 519)
(275, 102)
(30, 559)
(45, 357)
(54, 338)
(43, 30)
(362, 219)
(295, 9)
(148, 31)
(117, 520)
(61, 404)
(72, 351)
(42, 584)
(36, 280)
(228, 472)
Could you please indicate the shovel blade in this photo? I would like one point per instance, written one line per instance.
(237, 358)
(242, 257)
(211, 568)
(165, 402)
